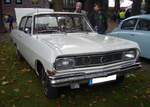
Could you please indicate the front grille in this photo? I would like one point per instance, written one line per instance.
(95, 60)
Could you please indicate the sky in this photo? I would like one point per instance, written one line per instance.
(123, 3)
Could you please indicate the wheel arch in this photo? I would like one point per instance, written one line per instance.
(37, 63)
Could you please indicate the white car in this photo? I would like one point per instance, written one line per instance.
(64, 50)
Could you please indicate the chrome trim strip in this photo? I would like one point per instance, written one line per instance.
(67, 79)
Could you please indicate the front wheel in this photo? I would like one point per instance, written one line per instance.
(49, 91)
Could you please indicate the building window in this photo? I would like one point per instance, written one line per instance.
(18, 1)
(7, 1)
(69, 4)
(35, 2)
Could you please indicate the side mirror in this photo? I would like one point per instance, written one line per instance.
(27, 30)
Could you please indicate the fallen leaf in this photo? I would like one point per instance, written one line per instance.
(2, 91)
(94, 102)
(148, 96)
(63, 96)
(2, 62)
(26, 96)
(29, 81)
(131, 75)
(144, 96)
(90, 104)
(142, 105)
(24, 70)
(114, 92)
(104, 99)
(135, 97)
(12, 81)
(5, 83)
(3, 78)
(148, 91)
(16, 89)
(2, 59)
(13, 105)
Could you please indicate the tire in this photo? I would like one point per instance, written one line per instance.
(18, 54)
(49, 91)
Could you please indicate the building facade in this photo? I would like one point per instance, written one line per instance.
(9, 5)
(69, 5)
(59, 5)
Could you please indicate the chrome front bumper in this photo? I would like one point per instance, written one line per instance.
(80, 75)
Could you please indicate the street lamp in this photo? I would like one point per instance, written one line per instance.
(50, 4)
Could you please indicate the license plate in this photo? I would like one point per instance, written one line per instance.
(102, 79)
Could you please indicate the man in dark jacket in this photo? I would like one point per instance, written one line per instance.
(10, 21)
(100, 20)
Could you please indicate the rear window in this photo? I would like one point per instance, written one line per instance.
(143, 25)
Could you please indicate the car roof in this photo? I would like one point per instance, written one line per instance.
(37, 13)
(146, 16)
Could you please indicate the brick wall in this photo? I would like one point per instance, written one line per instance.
(8, 9)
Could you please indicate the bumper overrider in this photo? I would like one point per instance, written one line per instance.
(79, 75)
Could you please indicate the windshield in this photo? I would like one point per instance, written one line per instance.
(57, 23)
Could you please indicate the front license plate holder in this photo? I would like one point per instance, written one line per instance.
(101, 79)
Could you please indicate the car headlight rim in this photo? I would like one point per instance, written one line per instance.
(64, 63)
(130, 54)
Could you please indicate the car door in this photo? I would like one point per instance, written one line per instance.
(27, 40)
(20, 34)
(127, 29)
(142, 36)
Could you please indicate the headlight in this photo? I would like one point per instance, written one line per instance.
(131, 54)
(64, 63)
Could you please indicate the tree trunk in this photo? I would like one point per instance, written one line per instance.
(136, 7)
(1, 19)
(117, 6)
(147, 6)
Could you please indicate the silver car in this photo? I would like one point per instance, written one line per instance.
(136, 28)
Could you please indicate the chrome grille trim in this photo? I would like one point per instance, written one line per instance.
(97, 59)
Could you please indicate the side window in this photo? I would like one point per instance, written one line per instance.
(129, 24)
(29, 24)
(22, 23)
(143, 25)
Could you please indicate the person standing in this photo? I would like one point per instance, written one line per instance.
(78, 8)
(122, 15)
(10, 21)
(100, 20)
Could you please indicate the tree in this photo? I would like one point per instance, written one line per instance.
(117, 6)
(136, 7)
(147, 6)
(1, 18)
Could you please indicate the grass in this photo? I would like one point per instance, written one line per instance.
(20, 87)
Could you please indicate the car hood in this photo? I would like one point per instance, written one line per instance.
(77, 43)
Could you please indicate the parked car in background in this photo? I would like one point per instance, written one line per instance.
(64, 50)
(137, 29)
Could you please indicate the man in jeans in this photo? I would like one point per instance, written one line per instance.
(100, 20)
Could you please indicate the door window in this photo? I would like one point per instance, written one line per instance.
(29, 24)
(22, 23)
(129, 24)
(143, 25)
